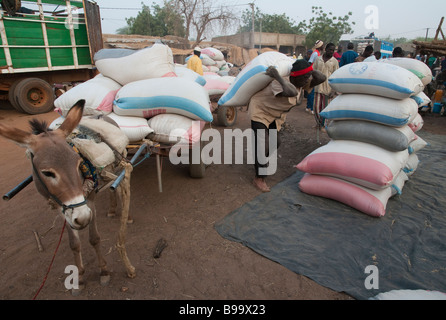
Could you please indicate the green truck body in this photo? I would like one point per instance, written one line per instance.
(53, 43)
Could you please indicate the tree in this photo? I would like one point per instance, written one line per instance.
(162, 22)
(326, 27)
(269, 23)
(202, 16)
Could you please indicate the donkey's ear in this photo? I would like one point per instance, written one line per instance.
(19, 136)
(73, 118)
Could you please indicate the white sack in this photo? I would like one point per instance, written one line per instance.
(98, 94)
(252, 78)
(152, 62)
(382, 79)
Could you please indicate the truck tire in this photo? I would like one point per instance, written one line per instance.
(226, 116)
(12, 96)
(34, 96)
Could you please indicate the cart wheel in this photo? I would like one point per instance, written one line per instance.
(197, 170)
(34, 96)
(12, 96)
(226, 115)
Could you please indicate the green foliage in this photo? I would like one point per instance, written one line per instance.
(326, 27)
(159, 22)
(275, 23)
(322, 26)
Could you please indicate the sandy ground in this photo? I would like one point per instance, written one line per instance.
(197, 264)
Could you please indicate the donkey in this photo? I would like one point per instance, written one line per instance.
(58, 178)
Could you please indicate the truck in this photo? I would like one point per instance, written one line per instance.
(385, 47)
(47, 47)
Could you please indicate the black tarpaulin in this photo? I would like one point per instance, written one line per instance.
(333, 244)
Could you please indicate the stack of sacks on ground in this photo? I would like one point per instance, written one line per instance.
(252, 78)
(372, 151)
(213, 60)
(136, 86)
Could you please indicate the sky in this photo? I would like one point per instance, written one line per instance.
(409, 18)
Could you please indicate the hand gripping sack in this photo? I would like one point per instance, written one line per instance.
(252, 78)
(381, 79)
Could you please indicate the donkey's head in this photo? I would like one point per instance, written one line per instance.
(56, 165)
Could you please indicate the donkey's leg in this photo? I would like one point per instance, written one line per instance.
(95, 241)
(125, 198)
(75, 245)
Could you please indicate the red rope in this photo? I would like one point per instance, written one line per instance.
(52, 260)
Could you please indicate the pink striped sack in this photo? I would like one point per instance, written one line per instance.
(364, 164)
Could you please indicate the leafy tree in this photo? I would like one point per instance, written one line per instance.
(275, 23)
(160, 21)
(326, 27)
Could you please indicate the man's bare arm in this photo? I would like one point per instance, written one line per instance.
(289, 90)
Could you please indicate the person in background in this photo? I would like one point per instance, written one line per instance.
(397, 52)
(368, 51)
(194, 63)
(323, 93)
(269, 107)
(443, 63)
(338, 54)
(315, 53)
(377, 55)
(348, 56)
(308, 55)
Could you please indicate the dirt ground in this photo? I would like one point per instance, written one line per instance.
(197, 264)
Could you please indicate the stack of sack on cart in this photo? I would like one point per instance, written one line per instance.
(215, 71)
(372, 127)
(145, 93)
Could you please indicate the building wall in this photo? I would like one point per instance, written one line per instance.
(286, 43)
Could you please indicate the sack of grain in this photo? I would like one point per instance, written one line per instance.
(420, 69)
(372, 108)
(386, 137)
(421, 99)
(417, 123)
(174, 128)
(365, 164)
(98, 94)
(213, 53)
(148, 63)
(252, 78)
(182, 71)
(147, 98)
(381, 79)
(365, 200)
(135, 128)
